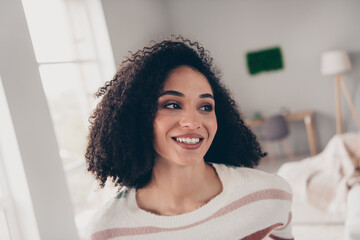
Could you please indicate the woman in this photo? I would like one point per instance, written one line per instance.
(168, 133)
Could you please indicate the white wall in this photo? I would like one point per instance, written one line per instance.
(229, 29)
(133, 23)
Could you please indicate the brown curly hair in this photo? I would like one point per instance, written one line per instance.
(121, 135)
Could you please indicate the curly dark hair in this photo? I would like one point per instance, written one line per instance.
(121, 135)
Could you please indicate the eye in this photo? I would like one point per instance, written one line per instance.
(207, 108)
(172, 106)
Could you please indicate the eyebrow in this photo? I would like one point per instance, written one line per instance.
(179, 94)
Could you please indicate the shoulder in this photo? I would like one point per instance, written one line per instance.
(105, 217)
(251, 180)
(261, 198)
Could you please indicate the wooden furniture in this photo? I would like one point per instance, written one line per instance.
(307, 117)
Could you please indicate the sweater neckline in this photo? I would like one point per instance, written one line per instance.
(206, 210)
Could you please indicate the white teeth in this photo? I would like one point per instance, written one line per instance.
(188, 140)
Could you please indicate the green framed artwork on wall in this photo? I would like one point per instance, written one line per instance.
(264, 60)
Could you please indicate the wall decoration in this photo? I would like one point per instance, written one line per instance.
(264, 60)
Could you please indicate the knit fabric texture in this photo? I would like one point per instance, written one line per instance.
(252, 205)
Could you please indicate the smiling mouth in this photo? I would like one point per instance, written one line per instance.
(190, 141)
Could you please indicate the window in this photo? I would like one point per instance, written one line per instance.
(8, 225)
(4, 226)
(73, 63)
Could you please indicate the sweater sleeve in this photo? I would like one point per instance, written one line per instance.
(283, 232)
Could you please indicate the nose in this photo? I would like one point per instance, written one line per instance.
(190, 119)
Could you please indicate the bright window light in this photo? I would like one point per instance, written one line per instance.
(72, 66)
(1, 192)
(50, 30)
(68, 106)
(4, 228)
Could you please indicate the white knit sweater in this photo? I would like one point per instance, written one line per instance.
(252, 205)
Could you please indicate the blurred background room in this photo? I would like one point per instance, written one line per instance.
(292, 66)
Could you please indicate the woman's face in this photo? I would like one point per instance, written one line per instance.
(185, 123)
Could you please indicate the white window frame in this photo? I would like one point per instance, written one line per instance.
(46, 204)
(6, 203)
(27, 198)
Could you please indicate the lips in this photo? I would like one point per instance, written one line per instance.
(189, 136)
(189, 141)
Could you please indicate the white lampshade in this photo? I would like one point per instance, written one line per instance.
(335, 62)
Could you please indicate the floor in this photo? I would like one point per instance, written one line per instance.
(308, 223)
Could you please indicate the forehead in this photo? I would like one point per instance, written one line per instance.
(185, 78)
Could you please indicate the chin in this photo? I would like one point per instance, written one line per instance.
(190, 161)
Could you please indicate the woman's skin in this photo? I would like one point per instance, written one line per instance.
(181, 181)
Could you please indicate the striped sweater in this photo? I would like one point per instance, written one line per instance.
(252, 205)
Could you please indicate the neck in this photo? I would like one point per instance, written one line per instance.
(177, 189)
(180, 181)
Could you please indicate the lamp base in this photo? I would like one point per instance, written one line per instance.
(339, 129)
(340, 84)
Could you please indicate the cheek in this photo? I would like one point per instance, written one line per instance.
(157, 134)
(212, 125)
(161, 127)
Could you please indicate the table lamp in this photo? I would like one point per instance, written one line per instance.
(335, 63)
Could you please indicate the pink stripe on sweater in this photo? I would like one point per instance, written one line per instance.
(288, 222)
(279, 238)
(262, 233)
(253, 197)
